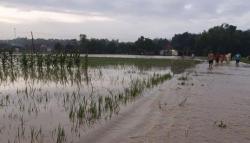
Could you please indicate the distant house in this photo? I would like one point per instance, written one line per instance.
(168, 51)
(17, 50)
(17, 47)
(45, 48)
(49, 50)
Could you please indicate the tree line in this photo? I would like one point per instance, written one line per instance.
(219, 39)
(223, 39)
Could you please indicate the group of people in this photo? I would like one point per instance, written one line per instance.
(221, 58)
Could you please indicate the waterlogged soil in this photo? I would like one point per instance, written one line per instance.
(62, 105)
(198, 106)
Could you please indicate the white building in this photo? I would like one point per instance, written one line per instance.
(169, 51)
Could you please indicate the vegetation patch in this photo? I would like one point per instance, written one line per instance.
(246, 60)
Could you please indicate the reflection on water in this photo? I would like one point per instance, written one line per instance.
(43, 100)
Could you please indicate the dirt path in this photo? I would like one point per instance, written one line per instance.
(188, 111)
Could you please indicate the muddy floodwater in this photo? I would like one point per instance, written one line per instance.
(59, 103)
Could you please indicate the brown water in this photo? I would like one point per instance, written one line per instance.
(186, 113)
(59, 105)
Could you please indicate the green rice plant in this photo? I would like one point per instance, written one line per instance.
(100, 106)
(48, 60)
(1, 75)
(35, 134)
(77, 60)
(4, 58)
(69, 62)
(7, 100)
(11, 58)
(62, 60)
(80, 111)
(39, 60)
(72, 114)
(31, 61)
(24, 60)
(55, 61)
(61, 137)
(93, 111)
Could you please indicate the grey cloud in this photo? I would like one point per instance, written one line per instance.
(139, 7)
(155, 18)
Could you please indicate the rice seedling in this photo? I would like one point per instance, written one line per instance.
(61, 137)
(22, 126)
(35, 134)
(81, 112)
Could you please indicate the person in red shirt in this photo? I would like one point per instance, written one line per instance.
(222, 58)
(217, 58)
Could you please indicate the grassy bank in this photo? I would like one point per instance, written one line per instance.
(245, 60)
(177, 65)
(54, 64)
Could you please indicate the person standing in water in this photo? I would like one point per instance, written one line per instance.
(217, 58)
(237, 59)
(210, 59)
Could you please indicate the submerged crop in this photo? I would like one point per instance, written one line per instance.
(54, 98)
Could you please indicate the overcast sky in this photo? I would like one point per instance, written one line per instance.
(125, 20)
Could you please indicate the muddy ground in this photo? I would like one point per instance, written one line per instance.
(206, 106)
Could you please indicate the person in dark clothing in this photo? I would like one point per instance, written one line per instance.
(237, 59)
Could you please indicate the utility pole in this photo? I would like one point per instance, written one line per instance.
(15, 33)
(32, 40)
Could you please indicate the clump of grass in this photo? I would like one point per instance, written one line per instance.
(221, 124)
(72, 114)
(61, 137)
(246, 60)
(183, 78)
(81, 112)
(35, 134)
(92, 109)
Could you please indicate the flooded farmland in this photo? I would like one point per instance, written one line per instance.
(56, 98)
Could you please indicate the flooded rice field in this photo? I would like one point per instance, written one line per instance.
(56, 98)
